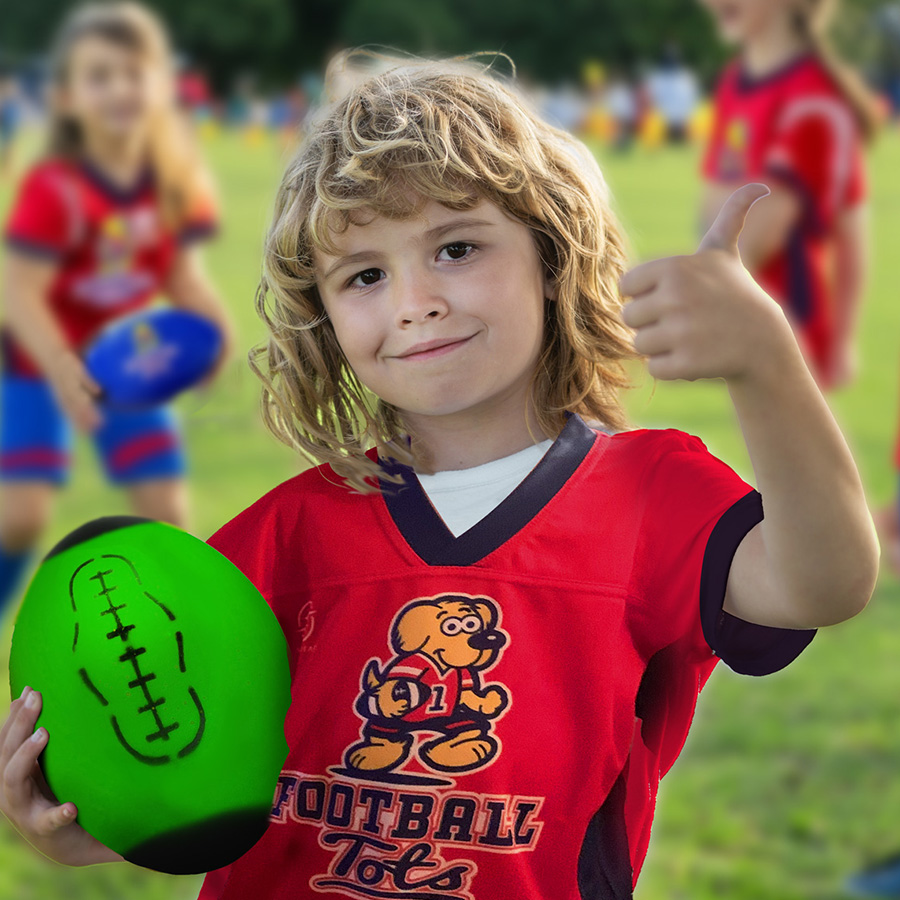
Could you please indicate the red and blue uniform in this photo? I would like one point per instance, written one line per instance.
(113, 253)
(793, 127)
(576, 623)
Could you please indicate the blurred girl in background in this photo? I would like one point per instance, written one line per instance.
(791, 114)
(106, 221)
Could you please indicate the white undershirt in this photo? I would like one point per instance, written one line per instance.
(463, 497)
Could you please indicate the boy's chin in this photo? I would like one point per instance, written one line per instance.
(437, 409)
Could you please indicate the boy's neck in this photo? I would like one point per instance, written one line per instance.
(771, 48)
(472, 438)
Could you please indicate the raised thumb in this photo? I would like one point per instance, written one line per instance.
(723, 234)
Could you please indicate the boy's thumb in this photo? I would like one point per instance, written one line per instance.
(723, 234)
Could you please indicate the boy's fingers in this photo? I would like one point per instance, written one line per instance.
(652, 341)
(91, 385)
(641, 278)
(18, 727)
(7, 725)
(723, 234)
(52, 819)
(664, 366)
(18, 770)
(640, 312)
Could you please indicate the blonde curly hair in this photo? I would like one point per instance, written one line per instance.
(453, 132)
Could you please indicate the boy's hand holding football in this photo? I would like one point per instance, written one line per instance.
(27, 801)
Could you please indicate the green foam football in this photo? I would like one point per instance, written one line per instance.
(165, 685)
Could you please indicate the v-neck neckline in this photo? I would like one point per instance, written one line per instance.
(432, 541)
(748, 82)
(120, 194)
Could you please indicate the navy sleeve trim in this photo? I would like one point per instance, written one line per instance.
(745, 647)
(33, 248)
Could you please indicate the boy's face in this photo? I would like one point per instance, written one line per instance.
(441, 314)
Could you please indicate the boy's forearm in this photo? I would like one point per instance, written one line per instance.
(820, 545)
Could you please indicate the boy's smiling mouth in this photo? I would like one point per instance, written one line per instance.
(431, 349)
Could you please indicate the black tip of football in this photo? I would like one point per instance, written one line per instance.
(204, 846)
(93, 529)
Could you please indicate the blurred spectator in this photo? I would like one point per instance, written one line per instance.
(886, 21)
(10, 119)
(563, 106)
(622, 103)
(237, 106)
(672, 90)
(194, 94)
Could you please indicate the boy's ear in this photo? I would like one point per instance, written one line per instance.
(551, 289)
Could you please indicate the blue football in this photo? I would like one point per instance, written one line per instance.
(147, 358)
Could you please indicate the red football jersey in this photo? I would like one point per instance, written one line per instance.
(112, 248)
(793, 126)
(576, 624)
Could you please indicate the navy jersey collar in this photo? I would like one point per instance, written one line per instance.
(115, 193)
(427, 535)
(747, 82)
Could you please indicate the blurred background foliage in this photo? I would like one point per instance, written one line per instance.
(548, 41)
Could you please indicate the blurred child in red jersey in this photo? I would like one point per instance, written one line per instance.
(790, 114)
(106, 221)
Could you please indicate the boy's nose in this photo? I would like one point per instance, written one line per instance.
(487, 640)
(418, 299)
(410, 317)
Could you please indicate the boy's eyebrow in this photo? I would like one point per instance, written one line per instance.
(440, 230)
(432, 233)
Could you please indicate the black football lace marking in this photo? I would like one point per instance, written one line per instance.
(141, 680)
(140, 757)
(162, 606)
(132, 654)
(92, 687)
(201, 727)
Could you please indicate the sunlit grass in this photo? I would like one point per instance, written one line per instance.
(787, 782)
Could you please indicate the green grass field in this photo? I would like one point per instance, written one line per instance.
(788, 782)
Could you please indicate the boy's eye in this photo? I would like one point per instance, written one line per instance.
(457, 250)
(366, 277)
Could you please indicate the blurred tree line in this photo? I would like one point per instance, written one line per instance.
(548, 39)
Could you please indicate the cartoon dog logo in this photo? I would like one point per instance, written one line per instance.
(433, 684)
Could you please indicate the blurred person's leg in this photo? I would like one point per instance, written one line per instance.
(25, 511)
(34, 459)
(143, 453)
(163, 499)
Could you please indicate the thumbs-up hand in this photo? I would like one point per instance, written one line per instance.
(703, 316)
